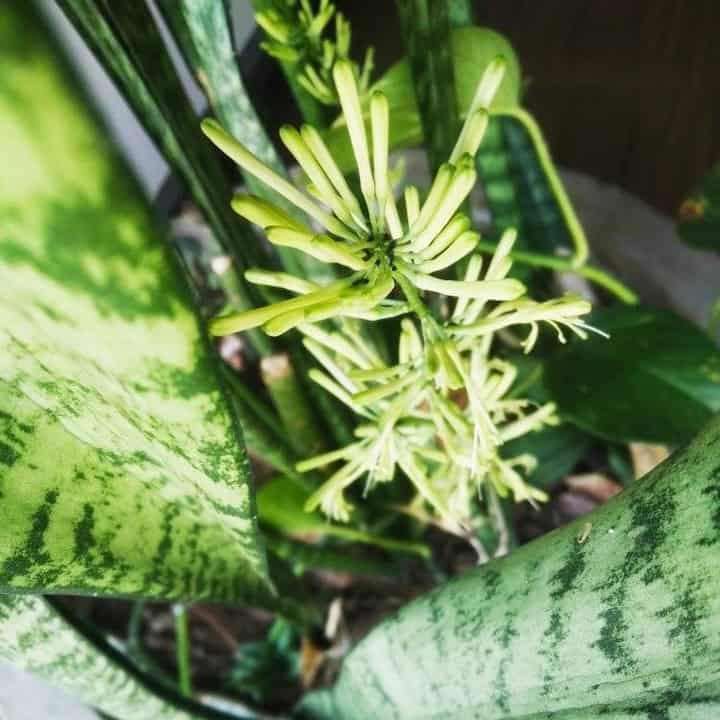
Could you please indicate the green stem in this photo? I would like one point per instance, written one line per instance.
(182, 649)
(413, 298)
(599, 277)
(426, 30)
(572, 222)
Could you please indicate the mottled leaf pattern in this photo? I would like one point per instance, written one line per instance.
(122, 467)
(615, 616)
(127, 42)
(35, 637)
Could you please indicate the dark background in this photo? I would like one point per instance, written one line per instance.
(625, 90)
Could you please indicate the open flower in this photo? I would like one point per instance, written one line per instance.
(367, 236)
(408, 423)
(441, 413)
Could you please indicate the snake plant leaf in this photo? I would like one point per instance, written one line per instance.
(699, 214)
(36, 637)
(616, 616)
(122, 470)
(473, 48)
(426, 29)
(656, 380)
(127, 42)
(203, 29)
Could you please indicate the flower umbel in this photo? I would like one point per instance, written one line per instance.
(442, 411)
(367, 236)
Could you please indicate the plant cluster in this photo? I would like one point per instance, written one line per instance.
(440, 410)
(393, 361)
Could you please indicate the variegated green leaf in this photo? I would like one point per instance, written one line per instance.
(126, 40)
(205, 25)
(426, 29)
(35, 637)
(122, 470)
(616, 616)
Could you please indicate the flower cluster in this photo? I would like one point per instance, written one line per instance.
(447, 443)
(441, 412)
(368, 237)
(298, 36)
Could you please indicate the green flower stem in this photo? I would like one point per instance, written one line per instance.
(182, 649)
(414, 299)
(426, 30)
(303, 431)
(572, 222)
(599, 277)
(136, 650)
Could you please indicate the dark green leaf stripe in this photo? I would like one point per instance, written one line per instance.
(121, 466)
(426, 29)
(127, 42)
(544, 227)
(499, 182)
(624, 625)
(460, 12)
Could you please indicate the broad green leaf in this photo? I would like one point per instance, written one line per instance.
(699, 214)
(37, 638)
(281, 505)
(620, 624)
(656, 379)
(473, 48)
(127, 42)
(123, 470)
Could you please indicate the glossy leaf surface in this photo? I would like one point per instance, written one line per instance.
(657, 379)
(616, 616)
